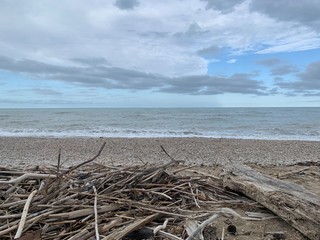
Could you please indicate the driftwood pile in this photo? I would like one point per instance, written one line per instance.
(93, 201)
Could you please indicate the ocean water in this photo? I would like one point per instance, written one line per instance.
(243, 123)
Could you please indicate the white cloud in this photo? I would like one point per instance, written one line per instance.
(232, 61)
(160, 37)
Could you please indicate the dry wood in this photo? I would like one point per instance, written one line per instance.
(96, 213)
(84, 212)
(161, 227)
(292, 202)
(88, 161)
(131, 199)
(130, 228)
(24, 215)
(28, 176)
(285, 175)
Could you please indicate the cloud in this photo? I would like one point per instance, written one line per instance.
(283, 70)
(98, 76)
(46, 91)
(308, 82)
(209, 52)
(158, 36)
(209, 85)
(222, 5)
(304, 12)
(164, 46)
(126, 4)
(278, 67)
(231, 61)
(91, 61)
(269, 62)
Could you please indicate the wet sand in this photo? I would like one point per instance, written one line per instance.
(17, 151)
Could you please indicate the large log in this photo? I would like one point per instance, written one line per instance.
(292, 202)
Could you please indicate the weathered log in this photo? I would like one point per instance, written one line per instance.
(293, 203)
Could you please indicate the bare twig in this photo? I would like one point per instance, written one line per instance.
(24, 215)
(165, 151)
(222, 211)
(96, 213)
(88, 161)
(161, 227)
(28, 175)
(59, 159)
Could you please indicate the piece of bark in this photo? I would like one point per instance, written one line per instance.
(292, 202)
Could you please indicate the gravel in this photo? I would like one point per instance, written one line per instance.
(17, 151)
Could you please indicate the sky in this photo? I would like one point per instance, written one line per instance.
(151, 53)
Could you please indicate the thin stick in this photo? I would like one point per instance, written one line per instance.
(172, 159)
(221, 211)
(203, 225)
(24, 215)
(90, 160)
(59, 159)
(161, 227)
(28, 175)
(193, 196)
(96, 213)
(166, 235)
(222, 235)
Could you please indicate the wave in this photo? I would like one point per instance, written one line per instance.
(276, 134)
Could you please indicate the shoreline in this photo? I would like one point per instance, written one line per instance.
(25, 151)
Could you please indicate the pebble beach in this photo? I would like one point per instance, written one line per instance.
(25, 151)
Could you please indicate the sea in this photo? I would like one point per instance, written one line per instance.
(240, 123)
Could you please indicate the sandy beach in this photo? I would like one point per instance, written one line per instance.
(16, 151)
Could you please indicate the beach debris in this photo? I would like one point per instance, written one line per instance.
(95, 201)
(292, 202)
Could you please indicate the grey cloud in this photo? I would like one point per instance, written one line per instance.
(305, 12)
(96, 76)
(274, 91)
(316, 94)
(277, 66)
(283, 70)
(308, 82)
(209, 52)
(278, 79)
(224, 6)
(31, 66)
(41, 91)
(310, 79)
(46, 91)
(127, 4)
(210, 85)
(192, 34)
(91, 61)
(118, 78)
(269, 62)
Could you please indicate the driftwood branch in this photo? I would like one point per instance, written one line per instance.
(28, 176)
(88, 161)
(292, 202)
(96, 213)
(24, 215)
